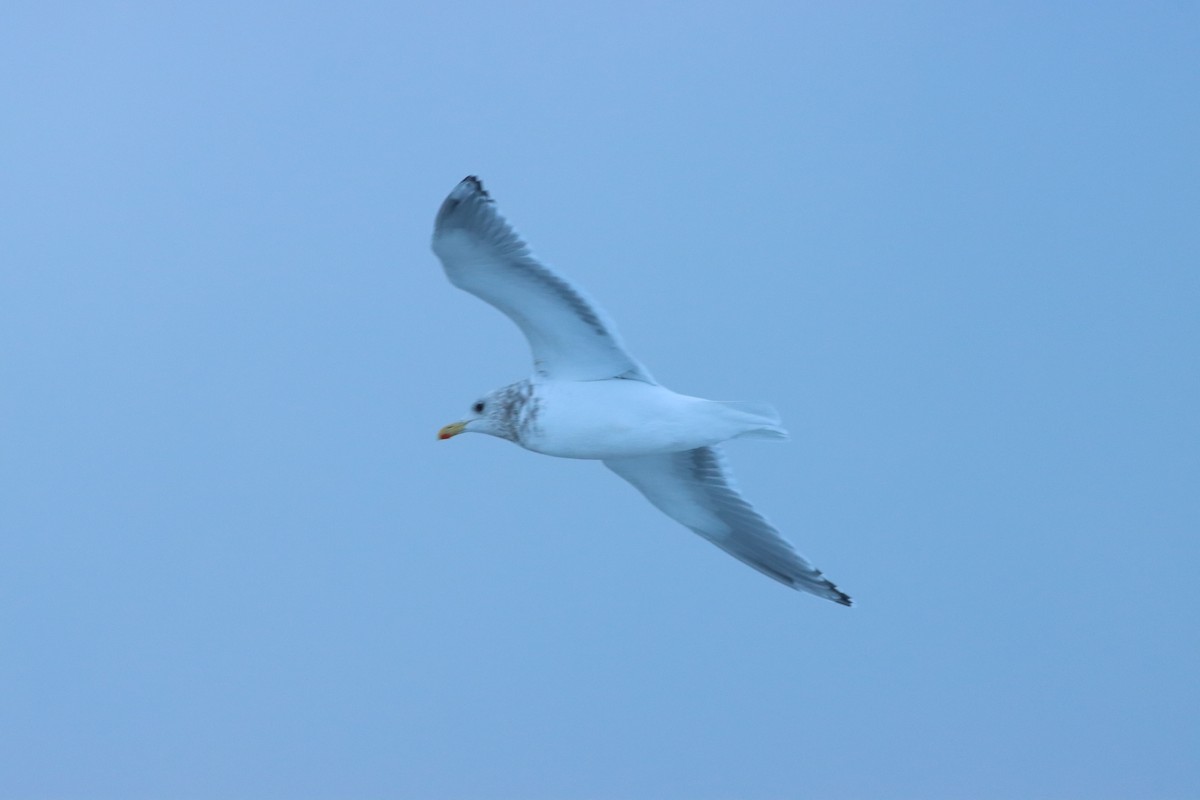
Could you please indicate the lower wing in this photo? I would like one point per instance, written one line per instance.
(695, 488)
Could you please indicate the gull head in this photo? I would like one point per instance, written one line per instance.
(495, 414)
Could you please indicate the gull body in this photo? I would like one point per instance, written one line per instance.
(589, 398)
(615, 418)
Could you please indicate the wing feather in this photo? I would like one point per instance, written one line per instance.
(571, 338)
(694, 487)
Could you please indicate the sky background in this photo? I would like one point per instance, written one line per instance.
(955, 244)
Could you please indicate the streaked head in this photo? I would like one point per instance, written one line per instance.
(491, 414)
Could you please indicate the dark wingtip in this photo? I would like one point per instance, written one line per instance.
(835, 594)
(468, 189)
(838, 595)
(476, 184)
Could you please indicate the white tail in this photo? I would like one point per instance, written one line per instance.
(762, 418)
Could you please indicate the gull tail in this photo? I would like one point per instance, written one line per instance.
(761, 419)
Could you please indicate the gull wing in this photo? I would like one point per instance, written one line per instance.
(571, 338)
(695, 487)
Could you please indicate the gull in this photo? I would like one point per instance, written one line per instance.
(588, 398)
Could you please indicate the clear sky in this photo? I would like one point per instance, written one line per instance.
(955, 244)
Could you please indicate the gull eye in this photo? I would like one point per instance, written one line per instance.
(478, 407)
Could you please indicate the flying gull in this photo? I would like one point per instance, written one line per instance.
(588, 398)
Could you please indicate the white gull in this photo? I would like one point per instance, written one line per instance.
(588, 398)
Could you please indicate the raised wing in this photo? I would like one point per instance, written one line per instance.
(694, 487)
(570, 337)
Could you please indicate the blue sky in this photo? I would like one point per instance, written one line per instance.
(955, 244)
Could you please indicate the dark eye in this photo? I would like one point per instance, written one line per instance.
(478, 407)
